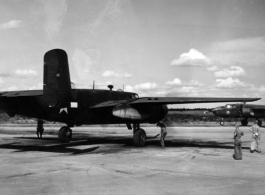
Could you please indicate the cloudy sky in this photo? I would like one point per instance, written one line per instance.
(205, 48)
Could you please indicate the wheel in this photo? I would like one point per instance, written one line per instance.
(139, 138)
(259, 123)
(222, 123)
(65, 134)
(244, 122)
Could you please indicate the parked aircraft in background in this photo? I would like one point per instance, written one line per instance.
(244, 111)
(60, 103)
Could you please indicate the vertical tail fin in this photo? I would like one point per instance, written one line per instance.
(56, 79)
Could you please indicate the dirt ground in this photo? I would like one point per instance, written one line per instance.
(103, 160)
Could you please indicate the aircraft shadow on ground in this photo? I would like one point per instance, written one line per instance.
(96, 142)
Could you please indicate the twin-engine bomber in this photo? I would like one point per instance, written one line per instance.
(244, 111)
(58, 102)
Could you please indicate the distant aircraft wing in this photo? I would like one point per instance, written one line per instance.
(171, 100)
(188, 100)
(21, 93)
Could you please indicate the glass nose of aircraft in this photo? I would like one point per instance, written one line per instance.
(216, 110)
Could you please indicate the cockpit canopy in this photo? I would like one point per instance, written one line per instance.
(229, 106)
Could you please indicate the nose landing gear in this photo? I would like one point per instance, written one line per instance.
(222, 122)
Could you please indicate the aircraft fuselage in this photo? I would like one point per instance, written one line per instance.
(240, 111)
(80, 109)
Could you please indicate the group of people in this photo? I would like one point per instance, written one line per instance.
(238, 133)
(255, 144)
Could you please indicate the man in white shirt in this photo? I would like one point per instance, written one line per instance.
(255, 144)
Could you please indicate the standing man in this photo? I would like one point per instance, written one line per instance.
(40, 128)
(163, 133)
(255, 144)
(237, 143)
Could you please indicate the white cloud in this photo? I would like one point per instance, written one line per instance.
(194, 83)
(1, 81)
(26, 72)
(229, 83)
(129, 88)
(170, 88)
(261, 89)
(233, 71)
(240, 44)
(54, 12)
(182, 91)
(239, 51)
(176, 81)
(111, 10)
(186, 89)
(36, 87)
(12, 88)
(82, 63)
(192, 58)
(11, 24)
(146, 86)
(258, 90)
(212, 68)
(109, 73)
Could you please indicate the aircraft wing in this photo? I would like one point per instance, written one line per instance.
(255, 107)
(110, 104)
(21, 93)
(172, 100)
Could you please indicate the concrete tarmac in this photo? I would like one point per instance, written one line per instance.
(103, 160)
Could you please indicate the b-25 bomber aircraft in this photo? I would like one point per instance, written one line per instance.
(58, 102)
(244, 111)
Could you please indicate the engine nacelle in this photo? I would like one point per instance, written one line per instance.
(128, 112)
(146, 113)
(247, 112)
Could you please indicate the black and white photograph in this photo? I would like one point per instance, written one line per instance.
(132, 97)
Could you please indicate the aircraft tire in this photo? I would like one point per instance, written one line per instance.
(139, 138)
(244, 122)
(65, 134)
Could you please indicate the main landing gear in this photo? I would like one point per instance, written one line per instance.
(65, 134)
(244, 122)
(139, 136)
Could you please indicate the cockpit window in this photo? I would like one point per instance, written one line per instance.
(133, 96)
(230, 106)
